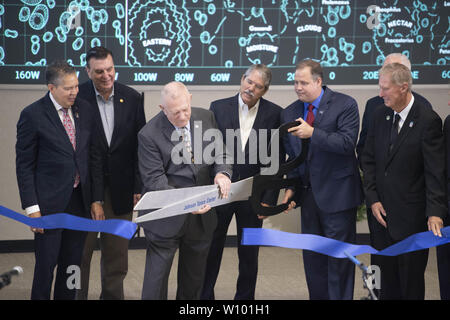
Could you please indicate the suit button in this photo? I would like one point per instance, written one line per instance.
(385, 174)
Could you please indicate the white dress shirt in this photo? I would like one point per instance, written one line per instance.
(404, 113)
(246, 119)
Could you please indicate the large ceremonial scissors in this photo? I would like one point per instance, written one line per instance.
(173, 202)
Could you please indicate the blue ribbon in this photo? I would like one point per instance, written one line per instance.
(121, 228)
(335, 248)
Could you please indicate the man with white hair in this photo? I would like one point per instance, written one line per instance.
(376, 101)
(370, 107)
(190, 233)
(404, 180)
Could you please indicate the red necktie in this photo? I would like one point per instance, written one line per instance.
(70, 129)
(310, 115)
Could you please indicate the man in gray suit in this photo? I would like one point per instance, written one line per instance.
(190, 233)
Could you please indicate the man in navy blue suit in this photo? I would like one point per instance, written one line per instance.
(52, 163)
(329, 188)
(254, 117)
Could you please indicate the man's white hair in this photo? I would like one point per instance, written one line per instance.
(397, 58)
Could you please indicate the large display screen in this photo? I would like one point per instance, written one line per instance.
(206, 42)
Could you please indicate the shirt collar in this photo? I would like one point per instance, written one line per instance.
(188, 127)
(97, 94)
(242, 103)
(316, 102)
(404, 113)
(55, 103)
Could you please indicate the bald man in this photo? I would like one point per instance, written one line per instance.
(161, 168)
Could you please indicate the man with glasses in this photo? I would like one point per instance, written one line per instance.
(52, 162)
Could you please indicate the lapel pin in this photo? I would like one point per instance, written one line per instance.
(196, 126)
(121, 100)
(411, 124)
(76, 115)
(388, 118)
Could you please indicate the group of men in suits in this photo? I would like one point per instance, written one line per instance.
(94, 153)
(76, 152)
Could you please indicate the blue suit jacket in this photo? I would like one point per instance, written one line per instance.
(45, 160)
(333, 168)
(226, 113)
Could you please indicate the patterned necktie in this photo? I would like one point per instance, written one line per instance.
(70, 129)
(310, 116)
(185, 136)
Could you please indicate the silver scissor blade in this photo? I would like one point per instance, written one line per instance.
(240, 190)
(180, 207)
(161, 198)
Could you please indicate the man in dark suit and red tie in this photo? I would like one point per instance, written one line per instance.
(119, 115)
(254, 117)
(404, 179)
(329, 185)
(52, 163)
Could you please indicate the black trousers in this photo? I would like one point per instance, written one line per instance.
(248, 255)
(376, 242)
(62, 248)
(402, 276)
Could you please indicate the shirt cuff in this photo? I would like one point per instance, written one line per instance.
(32, 209)
(226, 173)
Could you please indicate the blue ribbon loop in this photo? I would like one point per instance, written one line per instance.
(335, 248)
(121, 228)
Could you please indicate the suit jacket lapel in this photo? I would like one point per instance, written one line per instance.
(92, 99)
(385, 127)
(168, 129)
(119, 102)
(234, 111)
(54, 118)
(323, 106)
(77, 123)
(408, 125)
